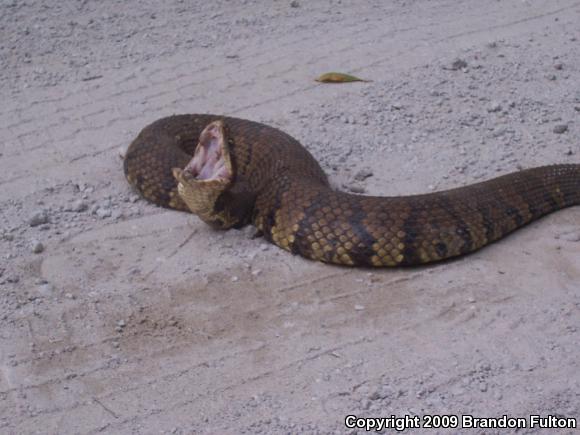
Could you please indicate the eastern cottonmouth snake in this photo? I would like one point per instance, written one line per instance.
(245, 172)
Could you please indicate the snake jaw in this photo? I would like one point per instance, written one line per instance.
(211, 159)
(207, 176)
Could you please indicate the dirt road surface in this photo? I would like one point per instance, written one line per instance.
(120, 317)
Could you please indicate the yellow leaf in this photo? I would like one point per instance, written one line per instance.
(335, 77)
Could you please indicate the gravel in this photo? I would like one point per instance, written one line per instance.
(293, 345)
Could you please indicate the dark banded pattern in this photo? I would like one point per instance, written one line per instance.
(285, 194)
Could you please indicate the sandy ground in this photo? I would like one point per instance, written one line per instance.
(120, 317)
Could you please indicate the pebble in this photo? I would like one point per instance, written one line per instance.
(570, 237)
(355, 188)
(38, 218)
(294, 4)
(359, 307)
(363, 174)
(37, 247)
(235, 279)
(559, 66)
(560, 128)
(79, 206)
(494, 107)
(120, 325)
(117, 214)
(103, 212)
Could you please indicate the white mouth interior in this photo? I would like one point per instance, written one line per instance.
(208, 162)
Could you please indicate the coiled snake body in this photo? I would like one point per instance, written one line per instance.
(245, 172)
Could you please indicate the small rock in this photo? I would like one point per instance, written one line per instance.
(570, 237)
(551, 77)
(79, 206)
(103, 212)
(37, 247)
(359, 307)
(134, 198)
(560, 128)
(121, 323)
(38, 218)
(494, 107)
(117, 215)
(355, 188)
(69, 296)
(363, 174)
(559, 66)
(294, 4)
(256, 272)
(235, 279)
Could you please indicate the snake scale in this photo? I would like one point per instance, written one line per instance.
(243, 172)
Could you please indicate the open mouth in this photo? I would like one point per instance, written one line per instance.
(211, 160)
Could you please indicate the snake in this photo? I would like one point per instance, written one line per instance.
(234, 172)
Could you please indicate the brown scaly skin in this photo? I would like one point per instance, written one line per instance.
(281, 189)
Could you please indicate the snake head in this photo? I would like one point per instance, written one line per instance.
(208, 176)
